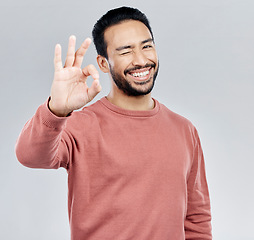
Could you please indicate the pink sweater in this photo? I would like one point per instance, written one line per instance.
(132, 175)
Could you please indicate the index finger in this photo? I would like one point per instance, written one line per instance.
(79, 55)
(58, 60)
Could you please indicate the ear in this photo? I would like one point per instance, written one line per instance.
(103, 63)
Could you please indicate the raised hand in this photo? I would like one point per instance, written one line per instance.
(69, 90)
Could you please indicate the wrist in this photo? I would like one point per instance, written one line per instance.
(57, 112)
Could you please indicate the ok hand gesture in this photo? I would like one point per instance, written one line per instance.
(69, 90)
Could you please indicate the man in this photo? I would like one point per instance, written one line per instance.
(135, 169)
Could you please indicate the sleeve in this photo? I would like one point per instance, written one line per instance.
(198, 217)
(43, 142)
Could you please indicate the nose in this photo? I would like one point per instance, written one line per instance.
(139, 59)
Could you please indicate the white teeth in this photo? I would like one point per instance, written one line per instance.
(140, 74)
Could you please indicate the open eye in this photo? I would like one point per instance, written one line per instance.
(147, 46)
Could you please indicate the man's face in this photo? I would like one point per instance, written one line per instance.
(132, 57)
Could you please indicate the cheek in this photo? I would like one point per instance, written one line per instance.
(152, 56)
(122, 64)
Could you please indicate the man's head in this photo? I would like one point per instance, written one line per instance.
(126, 51)
(113, 17)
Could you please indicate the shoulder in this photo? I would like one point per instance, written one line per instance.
(84, 118)
(178, 122)
(173, 116)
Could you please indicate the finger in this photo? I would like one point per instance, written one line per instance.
(71, 52)
(90, 70)
(58, 59)
(79, 55)
(94, 89)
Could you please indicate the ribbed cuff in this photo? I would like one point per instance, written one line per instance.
(50, 119)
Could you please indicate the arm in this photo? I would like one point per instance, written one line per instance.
(198, 217)
(43, 143)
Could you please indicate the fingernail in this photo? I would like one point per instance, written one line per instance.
(89, 39)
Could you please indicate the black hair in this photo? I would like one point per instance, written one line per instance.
(113, 17)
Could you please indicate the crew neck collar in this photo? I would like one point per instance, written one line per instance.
(132, 113)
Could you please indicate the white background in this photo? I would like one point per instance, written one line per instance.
(206, 51)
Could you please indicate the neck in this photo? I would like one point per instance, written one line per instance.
(136, 103)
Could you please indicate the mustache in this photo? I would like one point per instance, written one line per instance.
(152, 65)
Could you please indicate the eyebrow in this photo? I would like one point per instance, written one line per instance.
(147, 40)
(131, 46)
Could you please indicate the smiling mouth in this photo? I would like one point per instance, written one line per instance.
(140, 75)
